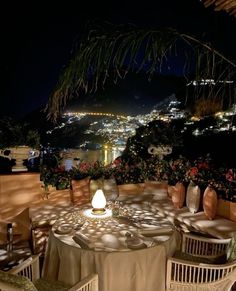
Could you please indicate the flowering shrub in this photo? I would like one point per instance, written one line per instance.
(201, 171)
(178, 169)
(85, 169)
(56, 177)
(226, 183)
(125, 173)
(230, 185)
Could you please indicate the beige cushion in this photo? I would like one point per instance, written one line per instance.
(46, 285)
(210, 202)
(80, 192)
(219, 227)
(193, 196)
(187, 257)
(178, 195)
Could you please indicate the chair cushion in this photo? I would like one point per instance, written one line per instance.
(20, 282)
(46, 285)
(187, 257)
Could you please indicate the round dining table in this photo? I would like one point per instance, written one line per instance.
(128, 250)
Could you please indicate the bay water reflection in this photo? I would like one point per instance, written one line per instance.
(106, 155)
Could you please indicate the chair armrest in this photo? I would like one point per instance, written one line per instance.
(88, 283)
(28, 268)
(180, 272)
(203, 246)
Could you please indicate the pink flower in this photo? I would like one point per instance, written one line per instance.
(117, 161)
(229, 175)
(203, 165)
(193, 171)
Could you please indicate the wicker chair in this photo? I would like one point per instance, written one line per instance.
(205, 247)
(27, 277)
(183, 274)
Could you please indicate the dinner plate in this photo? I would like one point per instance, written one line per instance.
(65, 228)
(135, 243)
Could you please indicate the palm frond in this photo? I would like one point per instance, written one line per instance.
(112, 53)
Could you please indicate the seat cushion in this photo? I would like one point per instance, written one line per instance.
(46, 285)
(16, 281)
(219, 227)
(187, 257)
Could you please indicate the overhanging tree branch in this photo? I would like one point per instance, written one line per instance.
(113, 52)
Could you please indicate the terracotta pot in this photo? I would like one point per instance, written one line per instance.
(210, 203)
(178, 195)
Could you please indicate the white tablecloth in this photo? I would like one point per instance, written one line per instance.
(119, 270)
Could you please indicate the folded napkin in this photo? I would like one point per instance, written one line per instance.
(83, 240)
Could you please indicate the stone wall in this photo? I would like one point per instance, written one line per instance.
(21, 190)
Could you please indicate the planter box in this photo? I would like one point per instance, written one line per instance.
(131, 189)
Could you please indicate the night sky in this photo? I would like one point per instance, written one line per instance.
(37, 39)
